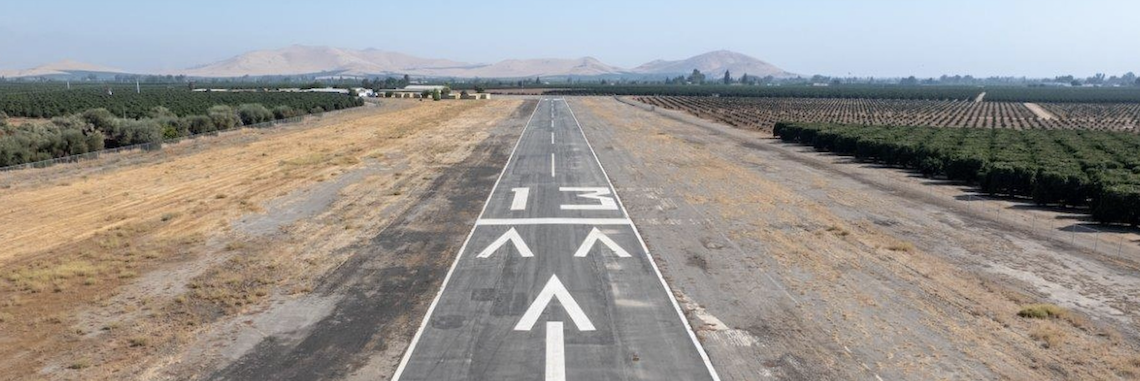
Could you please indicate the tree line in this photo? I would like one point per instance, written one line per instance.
(1097, 169)
(132, 104)
(95, 129)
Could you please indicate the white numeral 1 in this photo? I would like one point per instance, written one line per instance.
(519, 202)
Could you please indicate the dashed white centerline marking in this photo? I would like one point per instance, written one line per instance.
(552, 164)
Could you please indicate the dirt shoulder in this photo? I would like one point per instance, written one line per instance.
(796, 265)
(158, 266)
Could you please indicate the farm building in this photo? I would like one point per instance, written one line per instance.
(416, 91)
(474, 96)
(325, 90)
(363, 92)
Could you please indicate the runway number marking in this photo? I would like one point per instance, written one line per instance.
(519, 201)
(593, 193)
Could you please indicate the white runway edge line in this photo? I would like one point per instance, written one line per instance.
(652, 262)
(454, 263)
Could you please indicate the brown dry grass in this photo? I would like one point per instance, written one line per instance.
(77, 243)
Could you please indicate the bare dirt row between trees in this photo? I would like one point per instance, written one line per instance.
(173, 264)
(797, 265)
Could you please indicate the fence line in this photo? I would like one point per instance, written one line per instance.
(1072, 232)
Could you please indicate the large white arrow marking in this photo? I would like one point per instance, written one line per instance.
(554, 289)
(513, 236)
(593, 238)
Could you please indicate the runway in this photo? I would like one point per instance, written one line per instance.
(554, 281)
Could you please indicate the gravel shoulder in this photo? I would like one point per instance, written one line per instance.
(798, 265)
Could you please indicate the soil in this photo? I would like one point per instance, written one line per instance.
(1041, 112)
(800, 265)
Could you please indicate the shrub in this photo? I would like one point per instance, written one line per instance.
(284, 112)
(131, 132)
(197, 124)
(1042, 311)
(101, 119)
(254, 114)
(161, 112)
(223, 117)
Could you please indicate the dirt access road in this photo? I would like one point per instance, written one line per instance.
(796, 265)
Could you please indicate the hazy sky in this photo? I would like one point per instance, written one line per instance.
(879, 38)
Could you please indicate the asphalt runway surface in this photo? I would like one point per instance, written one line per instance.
(554, 282)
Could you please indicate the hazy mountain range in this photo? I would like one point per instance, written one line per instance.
(329, 61)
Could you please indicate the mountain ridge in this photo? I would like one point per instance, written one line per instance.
(326, 60)
(61, 67)
(715, 62)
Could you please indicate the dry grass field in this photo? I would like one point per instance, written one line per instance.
(105, 268)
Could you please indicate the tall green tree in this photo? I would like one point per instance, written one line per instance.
(697, 77)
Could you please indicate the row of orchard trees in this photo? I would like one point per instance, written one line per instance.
(124, 103)
(1064, 167)
(853, 91)
(96, 129)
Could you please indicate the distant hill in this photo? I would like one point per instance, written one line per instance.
(299, 59)
(714, 63)
(323, 60)
(60, 68)
(585, 66)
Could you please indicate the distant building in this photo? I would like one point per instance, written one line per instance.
(421, 88)
(364, 92)
(326, 90)
(417, 91)
(475, 96)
